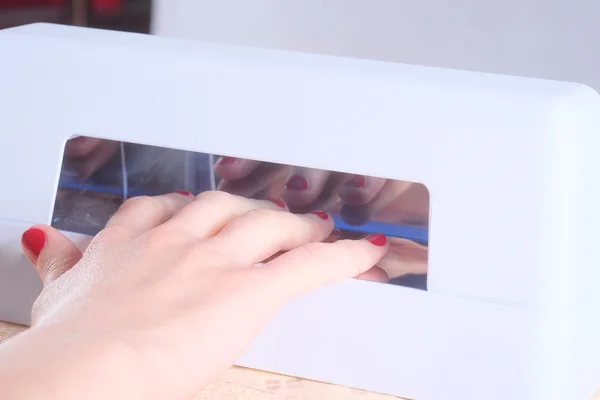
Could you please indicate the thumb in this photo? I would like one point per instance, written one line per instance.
(50, 252)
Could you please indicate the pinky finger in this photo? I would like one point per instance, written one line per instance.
(314, 265)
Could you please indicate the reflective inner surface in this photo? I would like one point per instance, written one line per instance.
(98, 175)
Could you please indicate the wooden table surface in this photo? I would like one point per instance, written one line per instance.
(247, 384)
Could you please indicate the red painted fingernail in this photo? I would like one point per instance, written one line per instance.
(184, 193)
(297, 182)
(228, 160)
(321, 214)
(377, 239)
(278, 202)
(358, 181)
(34, 240)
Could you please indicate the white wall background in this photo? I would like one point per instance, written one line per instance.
(554, 39)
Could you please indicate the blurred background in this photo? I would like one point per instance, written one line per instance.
(123, 15)
(550, 39)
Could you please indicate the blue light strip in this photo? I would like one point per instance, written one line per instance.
(92, 187)
(409, 232)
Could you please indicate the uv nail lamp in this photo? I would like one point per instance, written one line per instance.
(510, 165)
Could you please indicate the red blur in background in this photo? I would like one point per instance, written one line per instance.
(97, 5)
(119, 15)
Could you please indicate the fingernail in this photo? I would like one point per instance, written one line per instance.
(358, 181)
(228, 160)
(34, 240)
(184, 193)
(297, 182)
(278, 202)
(321, 214)
(377, 239)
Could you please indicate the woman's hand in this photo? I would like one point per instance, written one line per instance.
(168, 295)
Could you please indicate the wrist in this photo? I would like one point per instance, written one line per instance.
(58, 362)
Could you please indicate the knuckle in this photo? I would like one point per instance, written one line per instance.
(138, 202)
(215, 196)
(112, 233)
(106, 234)
(265, 217)
(252, 217)
(260, 214)
(151, 208)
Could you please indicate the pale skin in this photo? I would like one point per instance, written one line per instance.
(168, 296)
